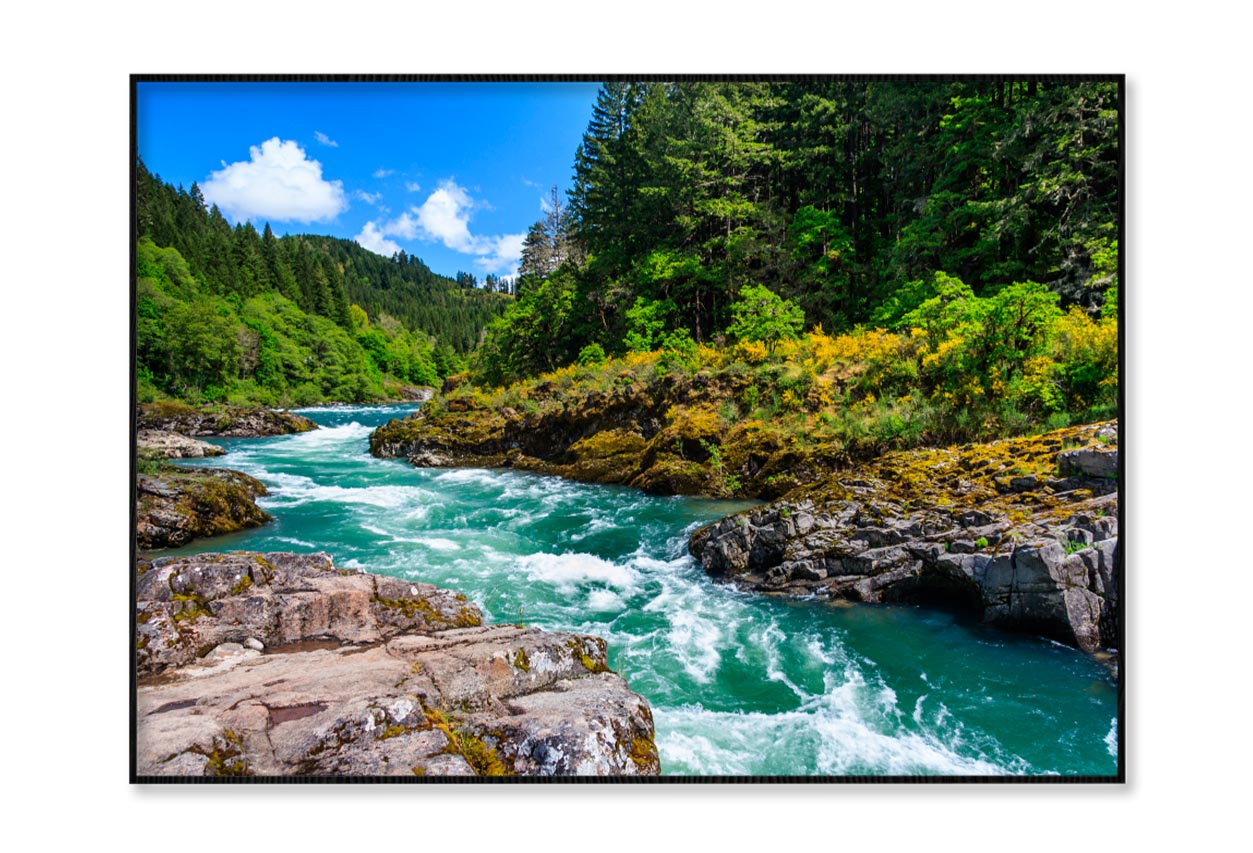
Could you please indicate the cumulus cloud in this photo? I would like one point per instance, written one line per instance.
(383, 173)
(412, 186)
(445, 218)
(404, 226)
(368, 198)
(279, 182)
(374, 240)
(503, 255)
(324, 139)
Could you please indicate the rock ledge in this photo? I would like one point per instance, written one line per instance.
(226, 421)
(1023, 533)
(281, 664)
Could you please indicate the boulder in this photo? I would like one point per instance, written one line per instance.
(157, 444)
(1099, 462)
(176, 505)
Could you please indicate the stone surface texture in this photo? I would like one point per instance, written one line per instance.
(282, 664)
(176, 505)
(226, 421)
(1023, 533)
(157, 444)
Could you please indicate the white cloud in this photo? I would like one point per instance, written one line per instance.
(374, 240)
(279, 182)
(445, 218)
(503, 256)
(412, 186)
(368, 198)
(324, 139)
(405, 226)
(383, 173)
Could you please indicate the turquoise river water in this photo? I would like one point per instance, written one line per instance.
(739, 683)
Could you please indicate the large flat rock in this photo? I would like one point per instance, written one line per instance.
(306, 669)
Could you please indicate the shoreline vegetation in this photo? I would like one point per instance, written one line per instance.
(761, 417)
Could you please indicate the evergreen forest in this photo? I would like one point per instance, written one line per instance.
(229, 314)
(956, 242)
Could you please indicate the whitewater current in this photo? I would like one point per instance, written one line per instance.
(739, 683)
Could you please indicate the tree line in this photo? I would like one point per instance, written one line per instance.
(227, 313)
(854, 201)
(321, 275)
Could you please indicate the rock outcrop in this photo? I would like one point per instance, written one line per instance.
(225, 421)
(662, 435)
(1022, 532)
(418, 394)
(282, 664)
(156, 444)
(176, 505)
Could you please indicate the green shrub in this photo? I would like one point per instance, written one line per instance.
(592, 355)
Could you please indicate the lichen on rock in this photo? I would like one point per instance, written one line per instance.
(1013, 531)
(348, 686)
(176, 505)
(233, 421)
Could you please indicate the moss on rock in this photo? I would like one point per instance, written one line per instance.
(176, 505)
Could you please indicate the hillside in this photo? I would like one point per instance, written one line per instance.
(229, 314)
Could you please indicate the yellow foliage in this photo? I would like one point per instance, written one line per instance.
(637, 359)
(788, 349)
(869, 345)
(711, 355)
(700, 420)
(946, 348)
(1082, 339)
(1038, 382)
(822, 394)
(753, 352)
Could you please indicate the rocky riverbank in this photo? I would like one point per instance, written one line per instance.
(176, 505)
(283, 664)
(662, 434)
(225, 421)
(1022, 533)
(157, 444)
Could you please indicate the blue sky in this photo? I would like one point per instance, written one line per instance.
(452, 172)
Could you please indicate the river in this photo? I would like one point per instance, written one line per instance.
(739, 683)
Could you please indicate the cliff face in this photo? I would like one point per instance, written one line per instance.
(1023, 533)
(282, 664)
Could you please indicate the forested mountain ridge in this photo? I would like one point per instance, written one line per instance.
(232, 314)
(855, 200)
